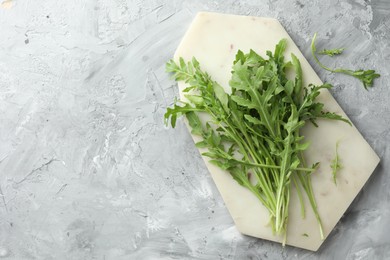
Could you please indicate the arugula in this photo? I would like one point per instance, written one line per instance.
(336, 165)
(254, 132)
(331, 52)
(365, 76)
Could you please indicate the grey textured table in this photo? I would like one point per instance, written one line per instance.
(89, 171)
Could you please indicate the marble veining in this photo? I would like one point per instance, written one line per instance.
(89, 171)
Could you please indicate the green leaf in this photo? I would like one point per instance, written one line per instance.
(240, 176)
(253, 120)
(298, 78)
(242, 101)
(279, 89)
(211, 155)
(224, 165)
(182, 63)
(302, 146)
(195, 99)
(365, 76)
(171, 66)
(201, 144)
(279, 49)
(188, 89)
(332, 52)
(172, 113)
(221, 95)
(289, 87)
(253, 59)
(334, 116)
(195, 123)
(216, 139)
(240, 57)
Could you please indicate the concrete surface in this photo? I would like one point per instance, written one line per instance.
(89, 171)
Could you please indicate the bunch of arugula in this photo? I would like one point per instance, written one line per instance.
(254, 132)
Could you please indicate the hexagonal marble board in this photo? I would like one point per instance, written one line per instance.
(214, 40)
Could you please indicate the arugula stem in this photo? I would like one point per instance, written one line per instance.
(299, 193)
(306, 183)
(336, 165)
(301, 169)
(281, 186)
(260, 177)
(313, 52)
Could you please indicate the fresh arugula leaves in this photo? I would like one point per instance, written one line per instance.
(254, 132)
(365, 76)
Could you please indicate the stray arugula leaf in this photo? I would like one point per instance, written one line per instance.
(365, 76)
(254, 132)
(331, 52)
(336, 165)
(305, 235)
